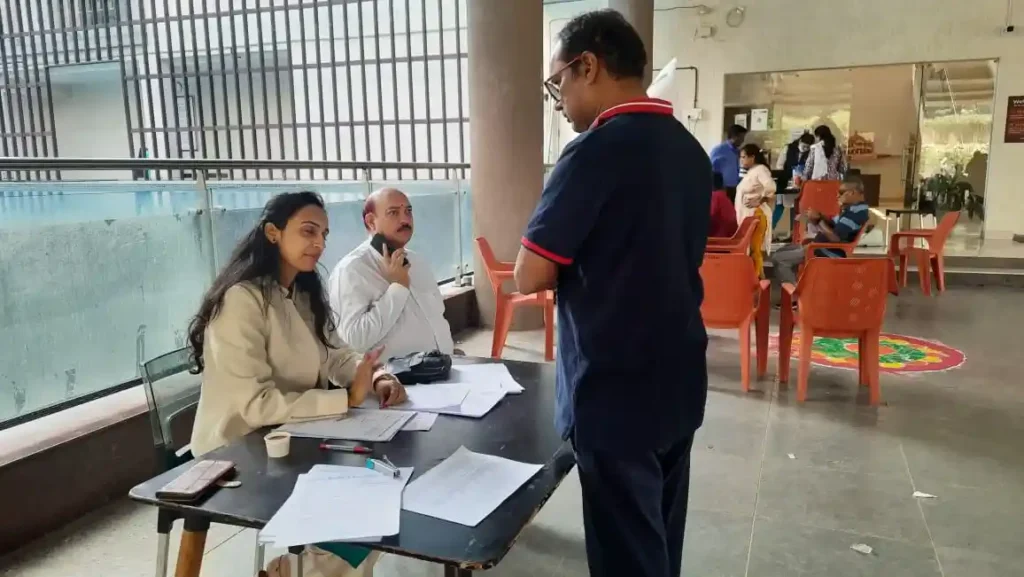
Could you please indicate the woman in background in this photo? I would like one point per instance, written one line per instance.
(755, 194)
(263, 340)
(826, 161)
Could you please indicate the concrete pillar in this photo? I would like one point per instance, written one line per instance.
(639, 13)
(506, 128)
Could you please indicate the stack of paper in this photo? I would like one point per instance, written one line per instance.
(357, 425)
(486, 376)
(421, 422)
(458, 399)
(334, 503)
(477, 403)
(467, 487)
(427, 398)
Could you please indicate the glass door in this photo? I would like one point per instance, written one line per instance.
(956, 104)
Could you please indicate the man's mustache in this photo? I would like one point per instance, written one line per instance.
(405, 227)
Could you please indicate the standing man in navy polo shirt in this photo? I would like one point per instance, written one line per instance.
(620, 233)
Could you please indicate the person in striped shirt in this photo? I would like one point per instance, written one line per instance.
(842, 228)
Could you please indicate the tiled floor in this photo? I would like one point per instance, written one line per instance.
(754, 510)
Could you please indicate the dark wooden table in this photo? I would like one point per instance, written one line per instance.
(521, 428)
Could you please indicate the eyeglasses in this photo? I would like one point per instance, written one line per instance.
(553, 83)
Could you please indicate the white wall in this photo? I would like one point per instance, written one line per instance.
(88, 114)
(803, 34)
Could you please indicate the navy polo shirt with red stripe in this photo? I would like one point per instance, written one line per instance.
(625, 216)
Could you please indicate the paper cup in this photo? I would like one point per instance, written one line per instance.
(278, 444)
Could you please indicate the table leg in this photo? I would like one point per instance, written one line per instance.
(887, 237)
(164, 522)
(261, 551)
(453, 571)
(193, 545)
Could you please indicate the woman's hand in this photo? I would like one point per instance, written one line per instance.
(389, 391)
(753, 202)
(362, 382)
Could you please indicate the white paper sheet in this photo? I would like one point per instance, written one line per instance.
(421, 422)
(338, 504)
(429, 398)
(466, 487)
(477, 404)
(357, 425)
(492, 375)
(472, 402)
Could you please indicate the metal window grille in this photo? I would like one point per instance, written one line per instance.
(345, 80)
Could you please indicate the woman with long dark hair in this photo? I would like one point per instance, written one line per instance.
(754, 195)
(264, 341)
(827, 160)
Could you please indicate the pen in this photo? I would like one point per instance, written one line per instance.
(357, 449)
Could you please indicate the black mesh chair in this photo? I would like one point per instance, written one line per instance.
(172, 393)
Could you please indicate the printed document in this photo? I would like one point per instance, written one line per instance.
(421, 422)
(356, 425)
(490, 375)
(429, 398)
(459, 399)
(467, 487)
(336, 503)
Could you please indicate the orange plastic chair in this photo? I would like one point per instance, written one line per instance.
(840, 298)
(930, 259)
(819, 195)
(505, 303)
(846, 247)
(733, 297)
(738, 243)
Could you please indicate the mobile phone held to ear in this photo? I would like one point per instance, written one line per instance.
(379, 241)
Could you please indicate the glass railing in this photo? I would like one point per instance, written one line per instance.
(98, 277)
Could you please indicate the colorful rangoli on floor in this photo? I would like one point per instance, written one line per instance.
(897, 353)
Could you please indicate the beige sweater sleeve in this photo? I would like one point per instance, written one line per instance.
(342, 363)
(237, 367)
(340, 366)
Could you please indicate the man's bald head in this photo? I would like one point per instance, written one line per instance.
(388, 211)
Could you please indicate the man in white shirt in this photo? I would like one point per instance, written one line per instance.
(388, 298)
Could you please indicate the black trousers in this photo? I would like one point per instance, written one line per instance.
(634, 510)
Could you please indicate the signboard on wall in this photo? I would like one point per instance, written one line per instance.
(861, 144)
(1014, 120)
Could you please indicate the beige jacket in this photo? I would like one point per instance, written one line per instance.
(266, 368)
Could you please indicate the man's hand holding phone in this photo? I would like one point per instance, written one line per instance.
(396, 268)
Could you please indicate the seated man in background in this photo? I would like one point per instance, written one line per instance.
(842, 228)
(388, 297)
(723, 214)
